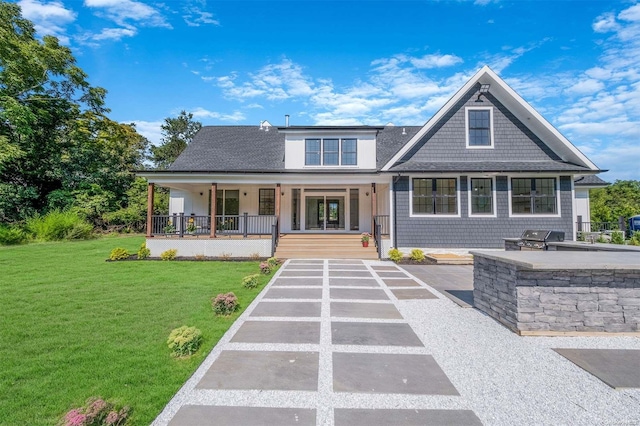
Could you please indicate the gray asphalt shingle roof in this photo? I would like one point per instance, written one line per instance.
(590, 180)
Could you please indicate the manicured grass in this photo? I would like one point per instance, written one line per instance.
(73, 326)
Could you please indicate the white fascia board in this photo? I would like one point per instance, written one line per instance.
(270, 178)
(441, 112)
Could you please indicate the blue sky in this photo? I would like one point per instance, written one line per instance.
(359, 62)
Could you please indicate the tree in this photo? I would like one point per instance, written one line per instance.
(621, 198)
(177, 133)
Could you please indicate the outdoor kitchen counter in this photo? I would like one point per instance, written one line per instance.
(550, 292)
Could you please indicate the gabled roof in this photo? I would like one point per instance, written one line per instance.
(518, 107)
(590, 181)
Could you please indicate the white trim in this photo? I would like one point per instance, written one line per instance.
(574, 212)
(336, 178)
(558, 195)
(433, 215)
(519, 108)
(494, 203)
(392, 214)
(466, 127)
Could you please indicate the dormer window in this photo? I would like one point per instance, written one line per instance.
(479, 122)
(331, 152)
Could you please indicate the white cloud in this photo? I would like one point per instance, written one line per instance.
(149, 129)
(126, 13)
(49, 18)
(196, 17)
(586, 87)
(202, 113)
(113, 34)
(436, 61)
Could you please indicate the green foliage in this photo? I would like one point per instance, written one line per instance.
(177, 133)
(169, 254)
(265, 268)
(635, 239)
(225, 303)
(143, 251)
(621, 198)
(119, 253)
(273, 262)
(251, 281)
(96, 412)
(12, 235)
(617, 237)
(417, 255)
(59, 225)
(184, 341)
(601, 239)
(395, 255)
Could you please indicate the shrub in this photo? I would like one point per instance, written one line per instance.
(143, 251)
(273, 262)
(225, 304)
(96, 412)
(200, 256)
(395, 255)
(169, 254)
(265, 267)
(601, 239)
(254, 256)
(251, 281)
(417, 255)
(225, 256)
(119, 253)
(184, 341)
(617, 237)
(59, 225)
(635, 239)
(12, 235)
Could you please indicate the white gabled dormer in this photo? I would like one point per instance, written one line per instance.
(330, 147)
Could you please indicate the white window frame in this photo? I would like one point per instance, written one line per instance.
(494, 205)
(322, 165)
(531, 176)
(430, 215)
(466, 126)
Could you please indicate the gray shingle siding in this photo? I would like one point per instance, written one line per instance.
(471, 232)
(513, 141)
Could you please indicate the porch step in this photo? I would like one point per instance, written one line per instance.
(314, 246)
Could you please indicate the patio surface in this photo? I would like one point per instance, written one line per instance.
(340, 342)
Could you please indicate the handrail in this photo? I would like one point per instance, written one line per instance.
(180, 225)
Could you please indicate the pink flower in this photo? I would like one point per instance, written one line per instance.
(112, 418)
(75, 418)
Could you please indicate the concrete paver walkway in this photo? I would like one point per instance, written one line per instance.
(339, 342)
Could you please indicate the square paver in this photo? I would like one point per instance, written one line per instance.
(357, 274)
(290, 273)
(287, 309)
(401, 282)
(389, 373)
(358, 282)
(391, 274)
(262, 370)
(299, 266)
(293, 293)
(285, 282)
(364, 310)
(198, 415)
(278, 332)
(380, 417)
(345, 262)
(372, 333)
(385, 268)
(358, 293)
(306, 261)
(413, 293)
(348, 267)
(619, 368)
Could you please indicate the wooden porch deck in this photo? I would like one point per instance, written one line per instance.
(319, 246)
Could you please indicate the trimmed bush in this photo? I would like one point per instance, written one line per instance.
(265, 268)
(143, 251)
(59, 225)
(273, 262)
(119, 253)
(417, 255)
(395, 255)
(635, 239)
(251, 281)
(169, 254)
(225, 304)
(617, 237)
(10, 236)
(184, 341)
(96, 412)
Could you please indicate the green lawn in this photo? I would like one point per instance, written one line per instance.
(73, 326)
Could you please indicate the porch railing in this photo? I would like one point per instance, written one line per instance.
(275, 237)
(380, 228)
(243, 225)
(592, 227)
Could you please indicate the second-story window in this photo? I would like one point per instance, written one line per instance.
(331, 152)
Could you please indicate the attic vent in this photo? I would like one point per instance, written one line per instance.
(404, 131)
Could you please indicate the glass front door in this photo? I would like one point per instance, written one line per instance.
(324, 213)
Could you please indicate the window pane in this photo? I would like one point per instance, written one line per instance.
(479, 128)
(312, 152)
(521, 186)
(331, 154)
(267, 202)
(349, 152)
(446, 200)
(481, 196)
(422, 196)
(546, 187)
(545, 205)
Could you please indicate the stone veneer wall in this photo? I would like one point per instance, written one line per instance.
(529, 300)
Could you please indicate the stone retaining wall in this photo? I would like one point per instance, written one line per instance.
(529, 300)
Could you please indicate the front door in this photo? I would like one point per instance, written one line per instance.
(324, 213)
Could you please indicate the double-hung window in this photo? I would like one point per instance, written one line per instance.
(267, 202)
(533, 196)
(435, 196)
(481, 196)
(331, 152)
(479, 131)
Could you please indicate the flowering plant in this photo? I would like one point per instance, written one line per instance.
(365, 237)
(191, 226)
(96, 412)
(169, 229)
